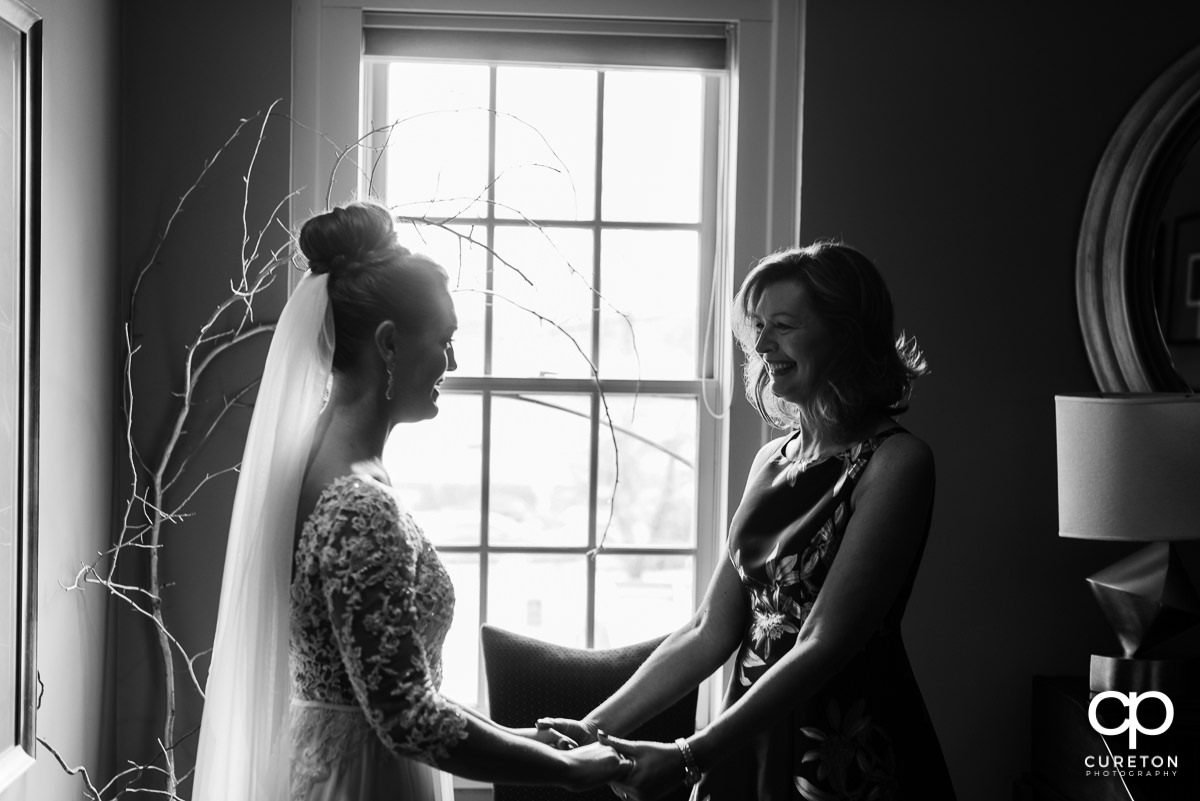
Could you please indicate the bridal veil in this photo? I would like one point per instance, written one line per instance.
(242, 753)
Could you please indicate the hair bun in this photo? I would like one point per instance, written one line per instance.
(342, 237)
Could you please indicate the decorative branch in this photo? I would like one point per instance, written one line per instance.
(158, 495)
(159, 490)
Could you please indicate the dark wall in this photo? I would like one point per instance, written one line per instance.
(190, 73)
(955, 144)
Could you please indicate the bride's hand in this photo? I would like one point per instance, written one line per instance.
(581, 732)
(595, 765)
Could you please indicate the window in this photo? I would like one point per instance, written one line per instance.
(747, 205)
(570, 191)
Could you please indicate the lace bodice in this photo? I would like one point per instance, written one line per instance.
(370, 607)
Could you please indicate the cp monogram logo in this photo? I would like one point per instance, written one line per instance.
(1131, 723)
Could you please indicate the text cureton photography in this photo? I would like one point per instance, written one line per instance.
(1107, 719)
(1131, 765)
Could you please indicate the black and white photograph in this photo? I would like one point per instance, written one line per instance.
(537, 400)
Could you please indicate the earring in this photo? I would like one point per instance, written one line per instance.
(387, 393)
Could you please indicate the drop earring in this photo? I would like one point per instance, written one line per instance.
(387, 393)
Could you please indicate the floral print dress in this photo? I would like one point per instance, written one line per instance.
(370, 607)
(866, 735)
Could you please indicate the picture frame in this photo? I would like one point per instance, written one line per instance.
(20, 202)
(1182, 323)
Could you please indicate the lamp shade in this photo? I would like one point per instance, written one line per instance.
(1129, 467)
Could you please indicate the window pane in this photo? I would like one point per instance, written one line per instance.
(650, 315)
(656, 498)
(653, 134)
(539, 470)
(460, 249)
(545, 143)
(558, 263)
(539, 595)
(437, 154)
(436, 466)
(639, 597)
(460, 656)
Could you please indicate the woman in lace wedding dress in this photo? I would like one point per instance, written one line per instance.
(334, 605)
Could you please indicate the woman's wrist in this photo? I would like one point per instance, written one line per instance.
(592, 727)
(561, 771)
(701, 748)
(691, 770)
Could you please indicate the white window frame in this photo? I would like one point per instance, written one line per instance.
(706, 390)
(761, 174)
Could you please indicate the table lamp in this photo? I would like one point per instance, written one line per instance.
(1129, 470)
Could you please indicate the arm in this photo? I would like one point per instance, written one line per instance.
(368, 574)
(687, 657)
(884, 535)
(683, 660)
(545, 735)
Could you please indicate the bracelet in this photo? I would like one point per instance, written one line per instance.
(691, 773)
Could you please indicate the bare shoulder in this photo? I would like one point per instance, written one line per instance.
(905, 449)
(767, 451)
(902, 460)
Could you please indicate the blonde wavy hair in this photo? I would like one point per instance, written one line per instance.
(872, 369)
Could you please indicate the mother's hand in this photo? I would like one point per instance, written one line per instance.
(581, 732)
(657, 768)
(547, 736)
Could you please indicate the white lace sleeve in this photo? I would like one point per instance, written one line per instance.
(368, 566)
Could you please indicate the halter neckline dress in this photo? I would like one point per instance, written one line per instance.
(866, 734)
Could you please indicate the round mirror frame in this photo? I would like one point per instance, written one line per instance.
(1120, 327)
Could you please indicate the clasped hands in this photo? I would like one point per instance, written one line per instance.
(647, 770)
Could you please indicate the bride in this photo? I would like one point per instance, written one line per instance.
(334, 606)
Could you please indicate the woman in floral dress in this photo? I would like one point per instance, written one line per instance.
(822, 554)
(325, 675)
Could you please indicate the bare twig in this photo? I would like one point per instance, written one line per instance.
(155, 499)
(159, 494)
(612, 431)
(79, 770)
(445, 223)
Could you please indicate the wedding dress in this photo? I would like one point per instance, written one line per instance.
(370, 607)
(350, 731)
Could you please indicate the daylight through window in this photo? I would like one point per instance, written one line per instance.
(575, 207)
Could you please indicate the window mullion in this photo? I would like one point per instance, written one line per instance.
(594, 433)
(593, 521)
(485, 496)
(596, 218)
(486, 404)
(489, 223)
(710, 157)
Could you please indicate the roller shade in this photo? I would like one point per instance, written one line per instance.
(540, 40)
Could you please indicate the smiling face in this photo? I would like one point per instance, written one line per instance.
(793, 341)
(422, 359)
